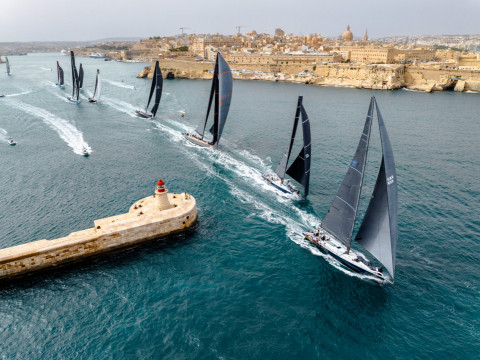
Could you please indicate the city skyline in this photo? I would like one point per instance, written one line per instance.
(57, 20)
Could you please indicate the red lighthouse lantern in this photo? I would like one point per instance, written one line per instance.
(160, 186)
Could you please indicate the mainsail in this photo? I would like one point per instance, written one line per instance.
(76, 89)
(80, 77)
(201, 127)
(221, 92)
(60, 76)
(8, 65)
(97, 85)
(225, 84)
(157, 85)
(379, 229)
(340, 219)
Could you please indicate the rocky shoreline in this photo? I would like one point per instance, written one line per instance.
(425, 77)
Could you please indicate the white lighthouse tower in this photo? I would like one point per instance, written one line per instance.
(161, 196)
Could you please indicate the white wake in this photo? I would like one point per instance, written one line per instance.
(67, 132)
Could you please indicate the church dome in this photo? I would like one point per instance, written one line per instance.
(347, 35)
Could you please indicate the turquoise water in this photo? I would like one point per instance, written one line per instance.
(244, 283)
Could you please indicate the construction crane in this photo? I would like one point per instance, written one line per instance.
(183, 28)
(239, 27)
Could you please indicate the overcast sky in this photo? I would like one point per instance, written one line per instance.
(37, 20)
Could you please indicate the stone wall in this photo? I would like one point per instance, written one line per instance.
(425, 77)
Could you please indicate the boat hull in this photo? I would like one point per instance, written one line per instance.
(197, 141)
(346, 260)
(143, 114)
(73, 100)
(281, 187)
(60, 86)
(92, 100)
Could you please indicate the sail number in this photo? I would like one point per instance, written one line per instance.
(390, 180)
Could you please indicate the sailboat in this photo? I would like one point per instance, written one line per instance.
(80, 77)
(378, 230)
(97, 90)
(157, 85)
(221, 91)
(75, 98)
(60, 77)
(8, 65)
(300, 168)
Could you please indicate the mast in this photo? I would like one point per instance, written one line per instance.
(158, 88)
(340, 219)
(201, 127)
(379, 229)
(300, 168)
(152, 87)
(282, 166)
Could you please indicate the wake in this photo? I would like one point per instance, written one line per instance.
(120, 84)
(67, 132)
(3, 135)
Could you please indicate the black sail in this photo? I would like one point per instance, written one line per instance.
(96, 84)
(225, 86)
(300, 168)
(340, 218)
(158, 88)
(201, 127)
(60, 74)
(282, 166)
(75, 87)
(80, 77)
(379, 229)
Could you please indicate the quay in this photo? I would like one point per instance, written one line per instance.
(150, 218)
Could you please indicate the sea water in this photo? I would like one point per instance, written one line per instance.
(243, 283)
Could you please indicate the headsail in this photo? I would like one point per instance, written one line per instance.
(300, 168)
(80, 77)
(8, 65)
(60, 75)
(282, 166)
(379, 229)
(340, 219)
(99, 85)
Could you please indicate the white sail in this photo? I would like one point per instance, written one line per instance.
(99, 87)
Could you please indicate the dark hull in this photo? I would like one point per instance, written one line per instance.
(143, 114)
(92, 100)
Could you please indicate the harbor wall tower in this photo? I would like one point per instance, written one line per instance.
(161, 196)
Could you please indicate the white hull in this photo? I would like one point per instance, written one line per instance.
(197, 141)
(352, 260)
(73, 100)
(285, 188)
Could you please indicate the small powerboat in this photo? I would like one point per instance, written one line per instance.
(11, 142)
(1, 95)
(85, 151)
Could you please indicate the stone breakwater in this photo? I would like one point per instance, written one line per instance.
(142, 223)
(425, 77)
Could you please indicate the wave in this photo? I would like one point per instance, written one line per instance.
(3, 135)
(120, 84)
(120, 105)
(67, 132)
(19, 94)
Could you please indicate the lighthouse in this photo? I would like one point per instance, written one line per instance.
(161, 196)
